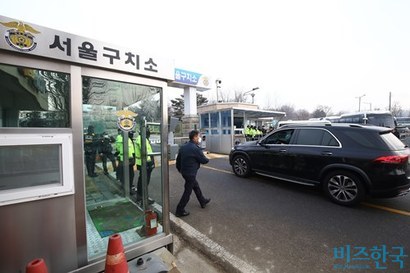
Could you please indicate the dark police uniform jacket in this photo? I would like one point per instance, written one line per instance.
(189, 158)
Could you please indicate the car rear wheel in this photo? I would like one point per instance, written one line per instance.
(344, 188)
(241, 166)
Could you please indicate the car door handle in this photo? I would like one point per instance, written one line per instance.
(327, 153)
(283, 151)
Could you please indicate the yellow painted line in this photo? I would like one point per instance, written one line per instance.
(215, 169)
(397, 211)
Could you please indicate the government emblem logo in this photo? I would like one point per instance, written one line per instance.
(20, 36)
(126, 120)
(205, 81)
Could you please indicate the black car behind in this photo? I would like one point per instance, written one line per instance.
(348, 161)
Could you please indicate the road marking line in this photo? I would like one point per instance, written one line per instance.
(215, 169)
(401, 212)
(397, 211)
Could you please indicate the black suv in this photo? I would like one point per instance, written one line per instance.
(347, 160)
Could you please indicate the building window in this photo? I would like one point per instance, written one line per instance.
(226, 118)
(204, 120)
(214, 120)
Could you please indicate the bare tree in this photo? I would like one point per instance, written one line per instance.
(239, 97)
(302, 114)
(396, 109)
(289, 110)
(321, 111)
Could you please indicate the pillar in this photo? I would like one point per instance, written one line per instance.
(190, 120)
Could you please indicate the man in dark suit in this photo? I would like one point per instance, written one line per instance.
(188, 161)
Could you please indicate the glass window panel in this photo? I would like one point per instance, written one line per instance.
(34, 98)
(281, 137)
(310, 137)
(238, 122)
(205, 120)
(29, 166)
(329, 140)
(214, 120)
(111, 200)
(226, 118)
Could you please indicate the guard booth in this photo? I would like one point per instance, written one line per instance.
(67, 105)
(224, 124)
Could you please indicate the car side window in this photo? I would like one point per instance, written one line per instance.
(315, 137)
(329, 140)
(280, 137)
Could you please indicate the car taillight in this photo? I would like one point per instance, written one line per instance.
(392, 159)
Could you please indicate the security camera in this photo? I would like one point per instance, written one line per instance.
(218, 82)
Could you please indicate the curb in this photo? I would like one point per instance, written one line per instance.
(209, 248)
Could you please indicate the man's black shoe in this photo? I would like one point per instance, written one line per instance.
(206, 201)
(182, 214)
(93, 175)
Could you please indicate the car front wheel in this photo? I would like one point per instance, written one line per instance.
(241, 166)
(344, 188)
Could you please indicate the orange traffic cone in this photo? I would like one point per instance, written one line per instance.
(36, 266)
(115, 261)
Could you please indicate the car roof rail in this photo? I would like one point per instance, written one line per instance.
(305, 124)
(356, 125)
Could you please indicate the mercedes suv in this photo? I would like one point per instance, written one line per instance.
(348, 161)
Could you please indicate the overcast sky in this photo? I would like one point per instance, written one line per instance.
(302, 53)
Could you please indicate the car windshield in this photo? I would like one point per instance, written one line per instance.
(392, 141)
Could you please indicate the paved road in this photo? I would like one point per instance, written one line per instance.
(283, 227)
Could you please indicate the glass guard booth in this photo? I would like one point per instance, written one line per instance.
(224, 124)
(74, 169)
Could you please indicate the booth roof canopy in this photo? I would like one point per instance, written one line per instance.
(257, 114)
(251, 111)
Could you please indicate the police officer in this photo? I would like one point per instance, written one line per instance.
(105, 150)
(90, 151)
(150, 164)
(247, 133)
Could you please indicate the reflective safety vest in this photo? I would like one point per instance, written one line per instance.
(247, 131)
(138, 150)
(120, 149)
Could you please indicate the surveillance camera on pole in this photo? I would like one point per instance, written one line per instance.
(218, 86)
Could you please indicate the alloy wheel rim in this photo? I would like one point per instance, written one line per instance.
(240, 166)
(343, 188)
